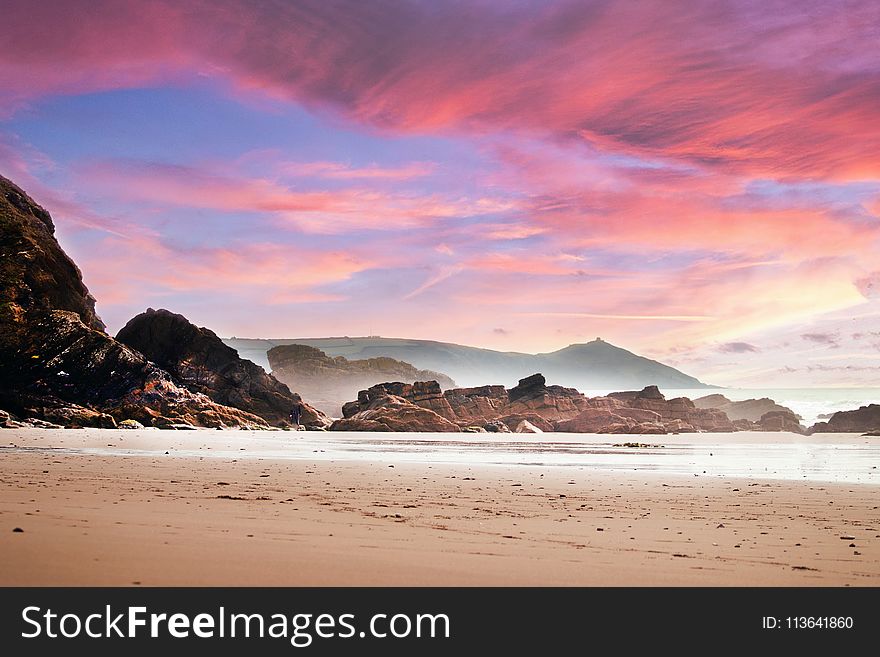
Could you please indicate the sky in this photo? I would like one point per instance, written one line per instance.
(698, 182)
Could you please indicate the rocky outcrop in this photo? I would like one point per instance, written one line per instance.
(533, 406)
(201, 362)
(9, 421)
(492, 408)
(593, 420)
(607, 418)
(762, 414)
(526, 427)
(749, 409)
(386, 412)
(865, 419)
(678, 426)
(514, 420)
(56, 363)
(35, 273)
(425, 394)
(533, 395)
(784, 420)
(329, 382)
(59, 412)
(680, 410)
(64, 368)
(478, 403)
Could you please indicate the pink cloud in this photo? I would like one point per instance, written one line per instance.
(685, 223)
(25, 166)
(255, 275)
(630, 138)
(340, 171)
(69, 47)
(513, 231)
(587, 201)
(317, 211)
(771, 88)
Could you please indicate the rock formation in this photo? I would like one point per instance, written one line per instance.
(56, 362)
(201, 362)
(782, 420)
(533, 406)
(516, 420)
(328, 382)
(749, 409)
(524, 426)
(533, 395)
(63, 371)
(385, 412)
(477, 404)
(593, 420)
(865, 419)
(425, 394)
(36, 274)
(679, 410)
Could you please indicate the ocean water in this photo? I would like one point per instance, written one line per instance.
(809, 403)
(837, 458)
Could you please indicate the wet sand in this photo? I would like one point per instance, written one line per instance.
(111, 508)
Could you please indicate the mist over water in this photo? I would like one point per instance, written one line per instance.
(809, 403)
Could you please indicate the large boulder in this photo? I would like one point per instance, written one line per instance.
(388, 412)
(328, 382)
(865, 419)
(201, 362)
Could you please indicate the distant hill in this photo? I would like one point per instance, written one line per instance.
(596, 365)
(329, 382)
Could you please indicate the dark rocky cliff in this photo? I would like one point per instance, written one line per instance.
(200, 361)
(56, 362)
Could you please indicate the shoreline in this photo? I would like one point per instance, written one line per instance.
(155, 520)
(825, 458)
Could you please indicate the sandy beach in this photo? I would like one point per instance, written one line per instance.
(102, 507)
